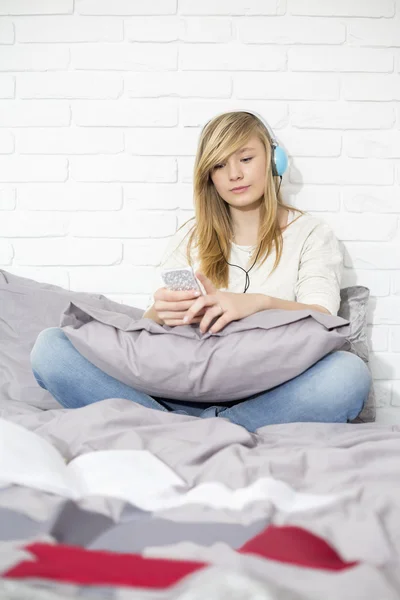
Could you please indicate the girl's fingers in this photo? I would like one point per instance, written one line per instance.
(160, 305)
(177, 316)
(166, 295)
(211, 314)
(175, 322)
(220, 323)
(201, 303)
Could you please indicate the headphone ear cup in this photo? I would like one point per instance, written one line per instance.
(280, 161)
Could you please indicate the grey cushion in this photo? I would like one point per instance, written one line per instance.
(248, 356)
(354, 308)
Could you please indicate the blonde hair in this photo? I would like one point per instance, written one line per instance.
(221, 137)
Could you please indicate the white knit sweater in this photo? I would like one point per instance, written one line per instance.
(310, 269)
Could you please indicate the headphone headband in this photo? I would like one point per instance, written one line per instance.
(264, 122)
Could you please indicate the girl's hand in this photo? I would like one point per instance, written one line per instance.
(228, 306)
(172, 306)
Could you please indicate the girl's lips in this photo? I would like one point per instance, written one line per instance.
(240, 190)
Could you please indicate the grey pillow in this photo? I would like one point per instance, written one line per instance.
(354, 308)
(248, 356)
(28, 307)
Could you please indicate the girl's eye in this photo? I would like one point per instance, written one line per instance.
(244, 159)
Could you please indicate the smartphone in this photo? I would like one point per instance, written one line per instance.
(180, 278)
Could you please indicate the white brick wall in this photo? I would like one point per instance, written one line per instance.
(102, 102)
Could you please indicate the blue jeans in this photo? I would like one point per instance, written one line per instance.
(333, 390)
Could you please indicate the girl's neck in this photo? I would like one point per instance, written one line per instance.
(246, 238)
(247, 234)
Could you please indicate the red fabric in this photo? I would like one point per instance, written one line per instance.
(72, 564)
(97, 567)
(296, 546)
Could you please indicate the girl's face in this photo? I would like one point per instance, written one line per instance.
(246, 167)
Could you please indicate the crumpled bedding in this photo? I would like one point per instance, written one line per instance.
(358, 466)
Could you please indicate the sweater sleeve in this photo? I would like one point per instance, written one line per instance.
(320, 269)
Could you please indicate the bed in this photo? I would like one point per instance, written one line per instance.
(298, 511)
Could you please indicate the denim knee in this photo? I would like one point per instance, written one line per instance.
(46, 351)
(351, 374)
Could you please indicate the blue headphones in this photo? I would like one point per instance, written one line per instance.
(279, 156)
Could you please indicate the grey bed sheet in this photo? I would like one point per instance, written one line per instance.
(359, 464)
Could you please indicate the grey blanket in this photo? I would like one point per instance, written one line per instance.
(358, 465)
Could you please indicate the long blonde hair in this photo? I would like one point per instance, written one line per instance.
(222, 136)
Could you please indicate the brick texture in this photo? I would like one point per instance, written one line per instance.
(102, 103)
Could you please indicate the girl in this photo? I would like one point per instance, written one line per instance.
(241, 225)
